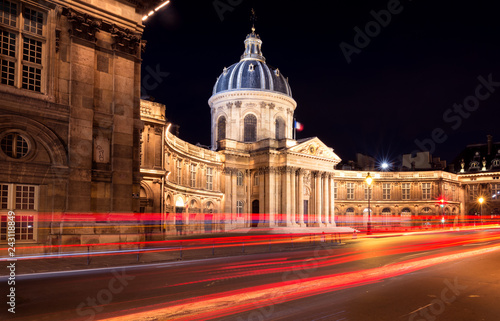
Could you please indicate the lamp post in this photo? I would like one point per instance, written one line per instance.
(481, 200)
(369, 181)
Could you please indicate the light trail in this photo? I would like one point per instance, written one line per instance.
(231, 302)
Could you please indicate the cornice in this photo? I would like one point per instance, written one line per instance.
(257, 94)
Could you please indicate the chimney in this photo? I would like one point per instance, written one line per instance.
(490, 143)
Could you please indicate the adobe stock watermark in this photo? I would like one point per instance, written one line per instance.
(457, 114)
(264, 311)
(152, 79)
(93, 305)
(223, 6)
(363, 37)
(437, 306)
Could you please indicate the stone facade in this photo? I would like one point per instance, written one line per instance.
(69, 116)
(84, 160)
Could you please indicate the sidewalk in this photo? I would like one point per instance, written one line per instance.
(189, 247)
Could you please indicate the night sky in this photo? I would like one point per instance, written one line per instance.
(398, 90)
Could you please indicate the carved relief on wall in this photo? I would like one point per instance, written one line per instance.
(101, 149)
(307, 182)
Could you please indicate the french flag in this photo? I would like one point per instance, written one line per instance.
(298, 126)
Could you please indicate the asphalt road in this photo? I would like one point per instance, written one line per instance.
(390, 278)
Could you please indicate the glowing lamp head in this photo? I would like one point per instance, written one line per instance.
(481, 200)
(368, 179)
(385, 165)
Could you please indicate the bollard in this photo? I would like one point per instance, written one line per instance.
(243, 248)
(269, 245)
(180, 252)
(138, 249)
(88, 255)
(291, 239)
(213, 248)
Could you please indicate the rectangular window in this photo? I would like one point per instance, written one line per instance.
(335, 190)
(473, 192)
(21, 199)
(239, 179)
(367, 193)
(256, 180)
(239, 208)
(25, 197)
(495, 191)
(193, 175)
(386, 191)
(8, 41)
(179, 172)
(21, 46)
(350, 191)
(210, 178)
(4, 194)
(33, 21)
(426, 191)
(405, 191)
(8, 13)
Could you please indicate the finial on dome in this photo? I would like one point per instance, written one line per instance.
(253, 18)
(253, 43)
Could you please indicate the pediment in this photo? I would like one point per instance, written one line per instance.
(314, 147)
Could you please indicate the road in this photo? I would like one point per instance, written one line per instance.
(434, 276)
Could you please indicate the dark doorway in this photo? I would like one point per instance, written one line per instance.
(179, 222)
(208, 223)
(306, 212)
(255, 212)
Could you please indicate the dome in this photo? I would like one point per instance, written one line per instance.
(252, 72)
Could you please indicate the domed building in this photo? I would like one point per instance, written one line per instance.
(267, 173)
(256, 175)
(251, 101)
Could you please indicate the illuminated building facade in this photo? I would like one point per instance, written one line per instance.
(84, 160)
(69, 117)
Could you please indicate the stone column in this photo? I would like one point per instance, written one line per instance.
(326, 199)
(285, 195)
(234, 173)
(227, 190)
(293, 196)
(332, 201)
(270, 200)
(248, 205)
(300, 197)
(317, 198)
(261, 196)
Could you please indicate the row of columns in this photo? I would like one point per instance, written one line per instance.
(282, 191)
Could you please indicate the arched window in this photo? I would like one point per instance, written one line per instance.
(406, 212)
(239, 179)
(221, 128)
(250, 129)
(280, 128)
(386, 216)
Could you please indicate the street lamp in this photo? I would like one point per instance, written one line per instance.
(369, 181)
(481, 200)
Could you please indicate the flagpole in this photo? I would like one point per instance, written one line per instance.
(294, 130)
